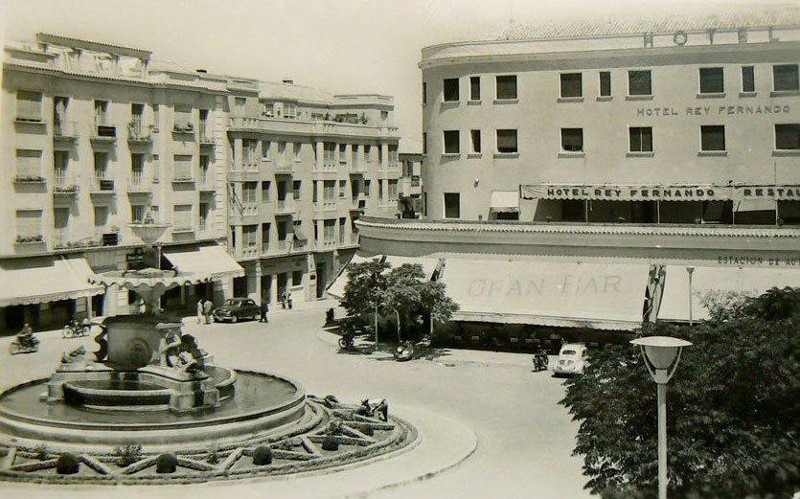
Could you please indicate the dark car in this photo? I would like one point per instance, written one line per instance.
(237, 308)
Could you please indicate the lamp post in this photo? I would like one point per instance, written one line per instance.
(690, 270)
(661, 356)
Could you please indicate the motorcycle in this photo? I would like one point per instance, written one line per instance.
(347, 341)
(24, 345)
(75, 329)
(540, 361)
(407, 350)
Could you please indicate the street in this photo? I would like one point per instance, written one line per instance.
(525, 439)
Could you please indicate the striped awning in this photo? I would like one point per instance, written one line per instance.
(504, 201)
(336, 289)
(211, 260)
(27, 281)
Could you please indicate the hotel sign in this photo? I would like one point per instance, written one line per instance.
(713, 110)
(660, 193)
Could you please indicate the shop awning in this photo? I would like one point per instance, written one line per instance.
(336, 289)
(755, 205)
(429, 265)
(547, 293)
(505, 201)
(27, 281)
(212, 260)
(751, 280)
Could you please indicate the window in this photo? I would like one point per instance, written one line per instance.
(60, 219)
(367, 153)
(296, 148)
(787, 137)
(451, 89)
(451, 142)
(506, 141)
(182, 164)
(571, 85)
(392, 189)
(639, 83)
(248, 151)
(29, 163)
(342, 229)
(748, 79)
(60, 165)
(182, 216)
(249, 191)
(393, 157)
(712, 138)
(784, 77)
(100, 165)
(238, 105)
(424, 142)
(329, 230)
(137, 212)
(249, 236)
(367, 187)
(100, 112)
(183, 118)
(474, 88)
(343, 153)
(265, 187)
(424, 93)
(380, 154)
(641, 139)
(29, 223)
(506, 87)
(572, 139)
(329, 150)
(29, 105)
(475, 135)
(380, 190)
(60, 105)
(205, 209)
(137, 168)
(156, 116)
(605, 83)
(205, 161)
(452, 205)
(297, 278)
(711, 81)
(265, 149)
(329, 187)
(296, 184)
(265, 237)
(100, 216)
(342, 189)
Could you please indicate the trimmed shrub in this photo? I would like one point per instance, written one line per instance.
(262, 456)
(330, 443)
(128, 454)
(166, 463)
(67, 464)
(368, 431)
(40, 452)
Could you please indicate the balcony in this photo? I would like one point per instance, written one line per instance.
(326, 245)
(283, 245)
(29, 179)
(65, 132)
(205, 135)
(248, 253)
(104, 133)
(247, 172)
(102, 186)
(183, 178)
(183, 130)
(315, 128)
(206, 182)
(61, 241)
(244, 214)
(64, 185)
(182, 227)
(359, 202)
(285, 207)
(137, 184)
(285, 167)
(139, 133)
(325, 206)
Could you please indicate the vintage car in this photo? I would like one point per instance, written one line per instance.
(237, 308)
(571, 359)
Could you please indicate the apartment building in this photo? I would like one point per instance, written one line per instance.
(304, 166)
(95, 137)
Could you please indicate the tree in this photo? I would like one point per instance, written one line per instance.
(733, 408)
(403, 292)
(364, 291)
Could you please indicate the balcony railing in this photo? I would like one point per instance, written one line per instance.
(104, 130)
(285, 205)
(250, 251)
(139, 132)
(283, 245)
(203, 225)
(283, 166)
(326, 205)
(137, 182)
(183, 178)
(204, 134)
(65, 130)
(183, 128)
(64, 185)
(206, 180)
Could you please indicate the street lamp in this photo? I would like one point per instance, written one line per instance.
(690, 270)
(661, 356)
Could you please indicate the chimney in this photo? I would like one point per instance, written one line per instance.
(288, 81)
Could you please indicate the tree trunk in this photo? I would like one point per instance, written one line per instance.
(376, 323)
(397, 314)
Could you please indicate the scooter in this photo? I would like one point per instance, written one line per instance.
(540, 361)
(23, 346)
(75, 329)
(347, 341)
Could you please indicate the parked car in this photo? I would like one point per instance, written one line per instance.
(571, 359)
(237, 308)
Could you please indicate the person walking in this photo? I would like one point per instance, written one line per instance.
(289, 299)
(208, 307)
(283, 299)
(264, 310)
(200, 311)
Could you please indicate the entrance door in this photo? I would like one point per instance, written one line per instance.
(240, 287)
(322, 283)
(266, 289)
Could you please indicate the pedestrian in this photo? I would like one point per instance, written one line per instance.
(200, 311)
(208, 307)
(264, 310)
(289, 299)
(283, 300)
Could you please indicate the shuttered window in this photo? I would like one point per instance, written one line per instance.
(29, 105)
(182, 214)
(29, 163)
(182, 164)
(183, 118)
(29, 223)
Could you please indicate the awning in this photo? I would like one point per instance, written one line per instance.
(27, 281)
(505, 201)
(429, 265)
(299, 235)
(548, 293)
(336, 289)
(755, 205)
(751, 280)
(212, 260)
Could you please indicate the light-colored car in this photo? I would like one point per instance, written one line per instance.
(571, 359)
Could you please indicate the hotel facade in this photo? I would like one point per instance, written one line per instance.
(600, 174)
(259, 182)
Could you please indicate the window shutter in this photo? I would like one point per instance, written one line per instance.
(29, 223)
(29, 105)
(29, 162)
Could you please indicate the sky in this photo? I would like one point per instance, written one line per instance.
(343, 46)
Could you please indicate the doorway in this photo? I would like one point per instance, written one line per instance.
(322, 282)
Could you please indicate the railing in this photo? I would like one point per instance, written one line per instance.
(62, 184)
(250, 251)
(283, 245)
(203, 225)
(183, 177)
(283, 166)
(247, 123)
(185, 129)
(325, 205)
(204, 134)
(138, 131)
(180, 226)
(104, 129)
(65, 130)
(265, 247)
(206, 180)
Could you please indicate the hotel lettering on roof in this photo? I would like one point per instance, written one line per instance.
(631, 148)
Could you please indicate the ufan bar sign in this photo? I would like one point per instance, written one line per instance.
(660, 193)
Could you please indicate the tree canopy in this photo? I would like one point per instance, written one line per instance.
(733, 411)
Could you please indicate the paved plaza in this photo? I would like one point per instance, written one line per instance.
(522, 438)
